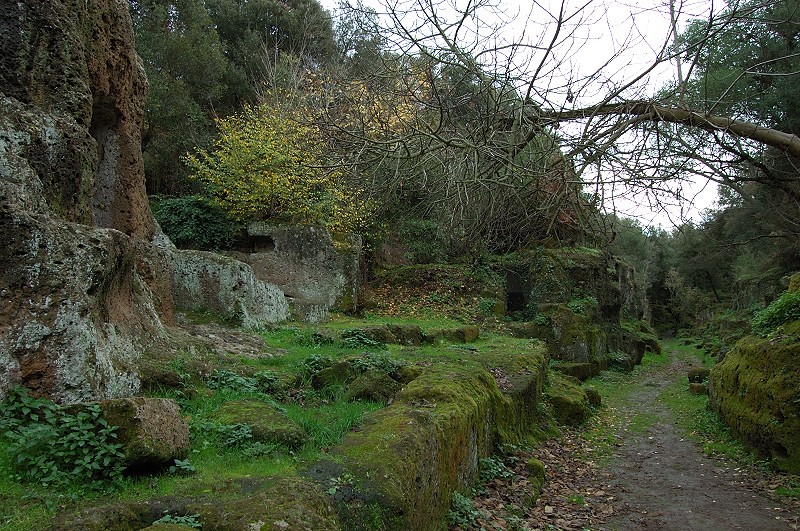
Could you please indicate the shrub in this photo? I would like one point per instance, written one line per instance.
(193, 222)
(56, 446)
(782, 310)
(267, 164)
(424, 241)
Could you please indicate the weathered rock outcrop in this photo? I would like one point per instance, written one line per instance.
(756, 390)
(84, 285)
(316, 270)
(209, 281)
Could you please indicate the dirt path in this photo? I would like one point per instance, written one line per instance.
(654, 479)
(663, 481)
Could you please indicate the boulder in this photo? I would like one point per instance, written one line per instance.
(209, 281)
(698, 388)
(568, 400)
(267, 423)
(410, 335)
(698, 374)
(756, 391)
(581, 371)
(84, 275)
(373, 385)
(152, 431)
(340, 373)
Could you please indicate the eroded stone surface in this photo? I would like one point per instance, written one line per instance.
(83, 285)
(204, 280)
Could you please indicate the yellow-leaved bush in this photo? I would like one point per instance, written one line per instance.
(267, 165)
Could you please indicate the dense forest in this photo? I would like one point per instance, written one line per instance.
(267, 110)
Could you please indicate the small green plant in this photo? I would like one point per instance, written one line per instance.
(487, 306)
(194, 222)
(462, 511)
(223, 379)
(377, 361)
(583, 306)
(782, 310)
(259, 449)
(493, 467)
(52, 445)
(356, 338)
(576, 499)
(345, 480)
(189, 520)
(181, 466)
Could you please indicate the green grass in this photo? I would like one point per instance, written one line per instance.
(328, 423)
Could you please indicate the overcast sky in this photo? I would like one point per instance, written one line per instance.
(620, 39)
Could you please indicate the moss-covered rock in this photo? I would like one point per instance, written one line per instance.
(698, 388)
(794, 283)
(698, 374)
(291, 503)
(411, 456)
(373, 385)
(463, 334)
(152, 431)
(267, 423)
(406, 334)
(595, 399)
(567, 399)
(581, 371)
(281, 503)
(756, 390)
(339, 373)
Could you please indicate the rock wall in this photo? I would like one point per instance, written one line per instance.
(756, 391)
(209, 281)
(315, 270)
(85, 279)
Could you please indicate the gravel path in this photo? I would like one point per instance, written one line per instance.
(655, 479)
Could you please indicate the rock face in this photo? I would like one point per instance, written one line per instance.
(84, 281)
(315, 270)
(209, 281)
(756, 391)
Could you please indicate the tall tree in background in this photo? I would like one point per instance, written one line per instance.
(186, 69)
(207, 59)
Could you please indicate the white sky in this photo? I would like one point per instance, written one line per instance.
(619, 39)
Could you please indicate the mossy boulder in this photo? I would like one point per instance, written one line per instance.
(373, 385)
(339, 373)
(698, 374)
(698, 388)
(794, 283)
(151, 430)
(567, 399)
(267, 423)
(291, 503)
(410, 457)
(595, 399)
(281, 503)
(463, 334)
(410, 335)
(581, 371)
(756, 390)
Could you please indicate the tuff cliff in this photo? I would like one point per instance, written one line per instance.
(85, 274)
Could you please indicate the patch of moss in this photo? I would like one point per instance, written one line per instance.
(756, 390)
(440, 425)
(290, 503)
(267, 423)
(568, 399)
(373, 385)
